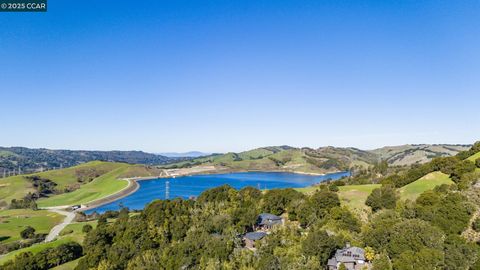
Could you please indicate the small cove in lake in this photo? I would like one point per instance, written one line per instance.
(188, 186)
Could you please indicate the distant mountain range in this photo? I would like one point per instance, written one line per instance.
(321, 160)
(31, 160)
(191, 154)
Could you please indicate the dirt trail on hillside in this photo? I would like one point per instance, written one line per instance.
(55, 231)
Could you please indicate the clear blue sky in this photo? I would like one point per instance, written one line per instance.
(232, 75)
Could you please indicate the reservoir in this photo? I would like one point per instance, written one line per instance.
(192, 186)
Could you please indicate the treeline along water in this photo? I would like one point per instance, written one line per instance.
(192, 186)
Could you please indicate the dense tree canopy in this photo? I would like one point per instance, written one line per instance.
(382, 198)
(276, 201)
(414, 235)
(450, 212)
(319, 244)
(46, 259)
(422, 259)
(382, 262)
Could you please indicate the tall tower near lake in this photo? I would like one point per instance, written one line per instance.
(167, 190)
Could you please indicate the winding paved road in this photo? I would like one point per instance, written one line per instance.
(55, 231)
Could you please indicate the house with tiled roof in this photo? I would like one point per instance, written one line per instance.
(352, 257)
(250, 239)
(266, 221)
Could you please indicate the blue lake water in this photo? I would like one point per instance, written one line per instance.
(187, 186)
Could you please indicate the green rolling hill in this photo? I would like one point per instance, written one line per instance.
(280, 158)
(428, 182)
(320, 160)
(417, 153)
(74, 185)
(473, 158)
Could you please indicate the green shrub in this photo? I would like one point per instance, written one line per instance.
(276, 201)
(384, 197)
(462, 168)
(476, 224)
(344, 219)
(87, 228)
(27, 233)
(333, 188)
(382, 262)
(338, 183)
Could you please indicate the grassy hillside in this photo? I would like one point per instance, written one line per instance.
(280, 158)
(35, 248)
(100, 187)
(72, 232)
(14, 187)
(321, 160)
(428, 182)
(67, 266)
(7, 154)
(354, 196)
(105, 182)
(346, 156)
(474, 157)
(416, 154)
(65, 177)
(12, 222)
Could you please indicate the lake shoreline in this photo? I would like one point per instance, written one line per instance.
(133, 185)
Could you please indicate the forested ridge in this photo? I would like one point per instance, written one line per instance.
(16, 160)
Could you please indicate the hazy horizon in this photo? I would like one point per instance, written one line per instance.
(240, 150)
(220, 76)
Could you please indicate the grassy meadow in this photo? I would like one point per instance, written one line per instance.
(67, 266)
(34, 249)
(428, 182)
(354, 196)
(67, 176)
(12, 222)
(474, 157)
(100, 187)
(16, 187)
(72, 232)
